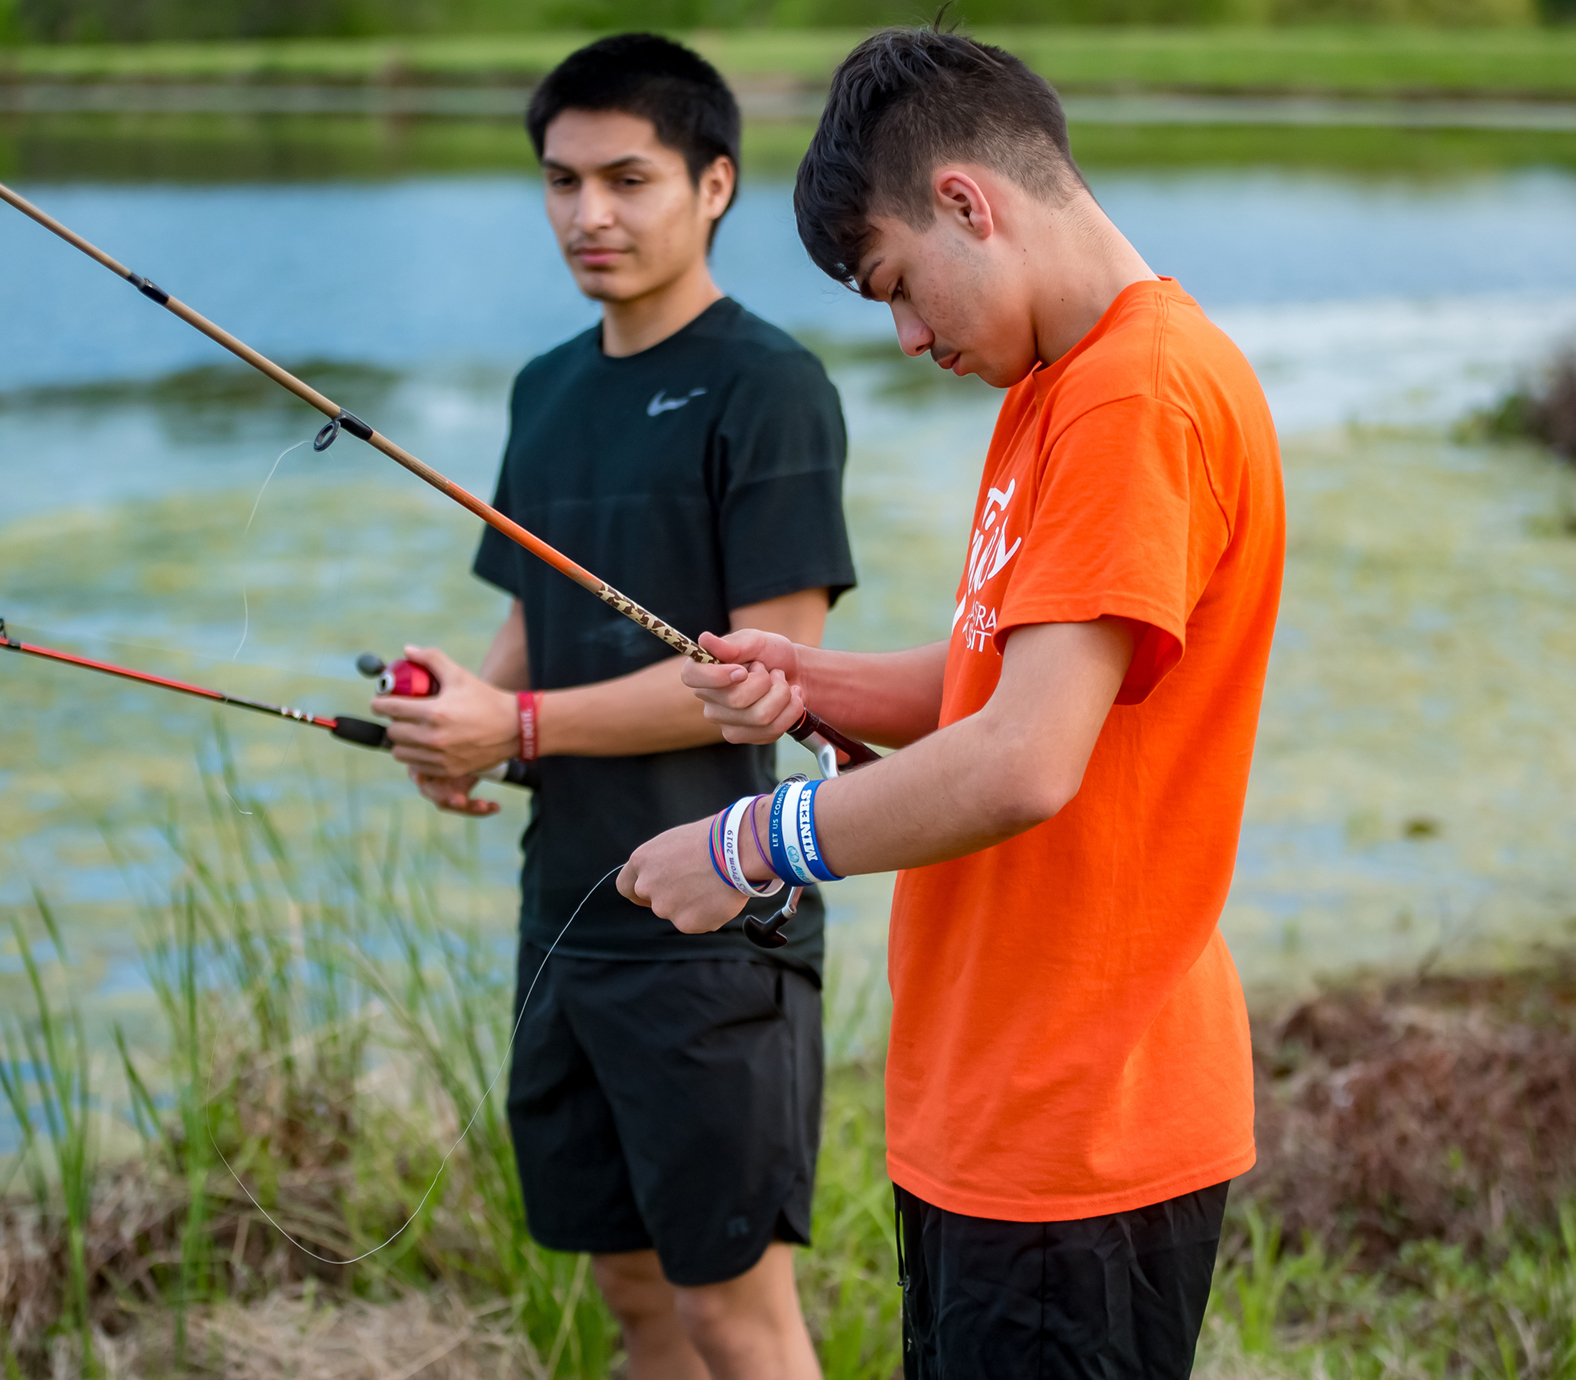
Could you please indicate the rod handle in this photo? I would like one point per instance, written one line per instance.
(811, 725)
(365, 733)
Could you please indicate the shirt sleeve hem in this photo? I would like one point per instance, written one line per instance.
(1085, 608)
(835, 582)
(1155, 655)
(488, 573)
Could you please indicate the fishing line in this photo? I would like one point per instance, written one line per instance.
(246, 608)
(503, 1064)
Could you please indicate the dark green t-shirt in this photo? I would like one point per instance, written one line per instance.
(696, 477)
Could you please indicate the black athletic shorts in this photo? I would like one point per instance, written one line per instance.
(1119, 1297)
(671, 1104)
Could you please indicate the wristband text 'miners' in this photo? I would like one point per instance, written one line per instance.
(792, 851)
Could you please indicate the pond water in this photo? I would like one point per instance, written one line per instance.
(1414, 782)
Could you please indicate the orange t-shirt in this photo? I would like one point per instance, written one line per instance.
(1069, 1037)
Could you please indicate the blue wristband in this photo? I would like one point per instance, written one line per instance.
(782, 836)
(809, 843)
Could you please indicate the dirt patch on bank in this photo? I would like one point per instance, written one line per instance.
(1438, 1107)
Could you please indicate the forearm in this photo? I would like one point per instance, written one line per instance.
(647, 711)
(966, 787)
(1001, 771)
(889, 698)
(1011, 766)
(507, 665)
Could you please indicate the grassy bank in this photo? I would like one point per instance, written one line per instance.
(333, 1012)
(1374, 61)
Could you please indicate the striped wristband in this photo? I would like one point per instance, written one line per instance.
(725, 859)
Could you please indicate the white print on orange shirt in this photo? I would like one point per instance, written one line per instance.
(988, 554)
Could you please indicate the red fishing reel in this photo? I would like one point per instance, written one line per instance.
(398, 678)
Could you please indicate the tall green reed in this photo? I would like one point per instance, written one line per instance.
(300, 975)
(334, 1005)
(48, 1057)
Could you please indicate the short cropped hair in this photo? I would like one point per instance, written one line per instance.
(904, 102)
(685, 98)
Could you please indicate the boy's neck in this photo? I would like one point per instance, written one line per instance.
(628, 327)
(1091, 265)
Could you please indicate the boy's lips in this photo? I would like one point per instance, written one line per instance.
(596, 256)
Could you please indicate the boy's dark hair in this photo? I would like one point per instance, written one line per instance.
(683, 95)
(904, 101)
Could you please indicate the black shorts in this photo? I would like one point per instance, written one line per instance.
(1111, 1297)
(673, 1105)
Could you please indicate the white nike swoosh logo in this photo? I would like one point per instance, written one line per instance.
(660, 404)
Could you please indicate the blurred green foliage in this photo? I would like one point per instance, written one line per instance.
(1388, 60)
(1543, 411)
(99, 21)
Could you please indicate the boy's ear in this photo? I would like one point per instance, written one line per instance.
(719, 178)
(960, 197)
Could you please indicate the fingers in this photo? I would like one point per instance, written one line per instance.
(452, 794)
(429, 761)
(754, 686)
(403, 709)
(424, 736)
(471, 807)
(759, 709)
(703, 677)
(628, 884)
(439, 663)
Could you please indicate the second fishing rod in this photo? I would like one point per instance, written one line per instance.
(820, 737)
(392, 680)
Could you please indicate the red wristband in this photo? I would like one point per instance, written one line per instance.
(530, 708)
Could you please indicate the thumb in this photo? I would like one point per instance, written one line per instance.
(736, 648)
(443, 668)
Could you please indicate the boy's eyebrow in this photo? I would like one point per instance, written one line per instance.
(628, 160)
(863, 281)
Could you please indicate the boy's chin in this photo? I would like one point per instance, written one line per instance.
(610, 286)
(1000, 375)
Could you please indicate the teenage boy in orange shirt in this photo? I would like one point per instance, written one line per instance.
(1069, 1081)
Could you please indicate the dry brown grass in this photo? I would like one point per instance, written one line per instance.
(1439, 1107)
(1557, 407)
(301, 1335)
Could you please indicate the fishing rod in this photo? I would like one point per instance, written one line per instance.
(362, 732)
(810, 730)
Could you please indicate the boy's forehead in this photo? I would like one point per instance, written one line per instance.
(597, 138)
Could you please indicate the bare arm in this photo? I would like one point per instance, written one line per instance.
(968, 786)
(890, 698)
(507, 664)
(473, 722)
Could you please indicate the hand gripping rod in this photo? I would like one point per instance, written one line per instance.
(808, 728)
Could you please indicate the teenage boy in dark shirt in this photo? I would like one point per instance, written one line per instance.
(665, 1093)
(1069, 1078)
